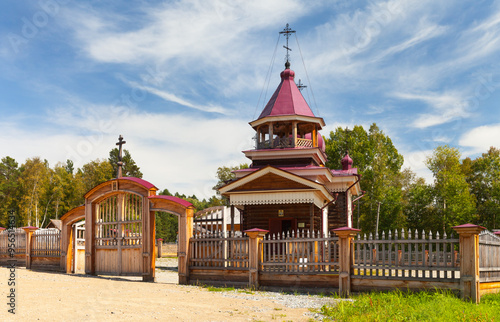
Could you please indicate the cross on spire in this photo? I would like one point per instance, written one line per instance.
(287, 32)
(120, 160)
(300, 86)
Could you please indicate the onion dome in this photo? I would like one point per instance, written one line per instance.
(346, 162)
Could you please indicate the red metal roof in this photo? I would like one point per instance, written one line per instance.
(174, 199)
(287, 99)
(146, 184)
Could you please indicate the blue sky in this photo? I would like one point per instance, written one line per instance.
(180, 80)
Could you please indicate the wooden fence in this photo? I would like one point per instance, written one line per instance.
(304, 253)
(396, 256)
(489, 262)
(13, 249)
(44, 252)
(345, 263)
(219, 256)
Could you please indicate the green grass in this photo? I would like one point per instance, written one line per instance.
(219, 289)
(420, 306)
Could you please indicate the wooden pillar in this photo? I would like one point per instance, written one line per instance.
(346, 258)
(294, 134)
(148, 240)
(311, 217)
(29, 234)
(254, 254)
(160, 246)
(469, 261)
(315, 137)
(185, 234)
(89, 238)
(66, 248)
(271, 134)
(232, 221)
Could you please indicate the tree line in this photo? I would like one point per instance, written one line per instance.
(464, 189)
(36, 192)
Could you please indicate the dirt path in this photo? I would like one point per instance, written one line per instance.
(60, 297)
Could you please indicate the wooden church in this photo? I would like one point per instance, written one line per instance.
(287, 186)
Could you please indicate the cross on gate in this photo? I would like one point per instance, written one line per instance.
(120, 160)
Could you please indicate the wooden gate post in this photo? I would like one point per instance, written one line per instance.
(159, 243)
(346, 258)
(254, 255)
(469, 261)
(185, 234)
(29, 233)
(66, 248)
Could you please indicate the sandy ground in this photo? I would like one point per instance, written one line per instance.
(60, 297)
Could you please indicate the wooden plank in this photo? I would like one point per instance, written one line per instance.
(363, 285)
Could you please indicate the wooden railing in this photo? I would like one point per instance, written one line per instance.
(489, 257)
(306, 143)
(284, 143)
(303, 253)
(405, 256)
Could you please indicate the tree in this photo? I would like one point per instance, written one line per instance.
(456, 205)
(94, 173)
(420, 207)
(484, 179)
(9, 188)
(225, 174)
(33, 182)
(379, 163)
(129, 169)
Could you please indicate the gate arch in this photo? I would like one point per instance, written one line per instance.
(185, 211)
(67, 235)
(120, 229)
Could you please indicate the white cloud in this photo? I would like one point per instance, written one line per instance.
(173, 98)
(415, 160)
(481, 138)
(174, 151)
(190, 31)
(447, 106)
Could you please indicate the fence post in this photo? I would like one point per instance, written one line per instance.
(160, 246)
(185, 234)
(254, 255)
(346, 258)
(29, 233)
(469, 261)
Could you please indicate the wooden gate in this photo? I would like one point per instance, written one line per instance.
(118, 235)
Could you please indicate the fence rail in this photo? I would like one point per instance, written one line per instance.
(489, 257)
(304, 253)
(405, 256)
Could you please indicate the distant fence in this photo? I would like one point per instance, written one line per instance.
(15, 249)
(44, 251)
(348, 261)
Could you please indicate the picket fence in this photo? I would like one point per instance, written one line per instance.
(44, 251)
(398, 259)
